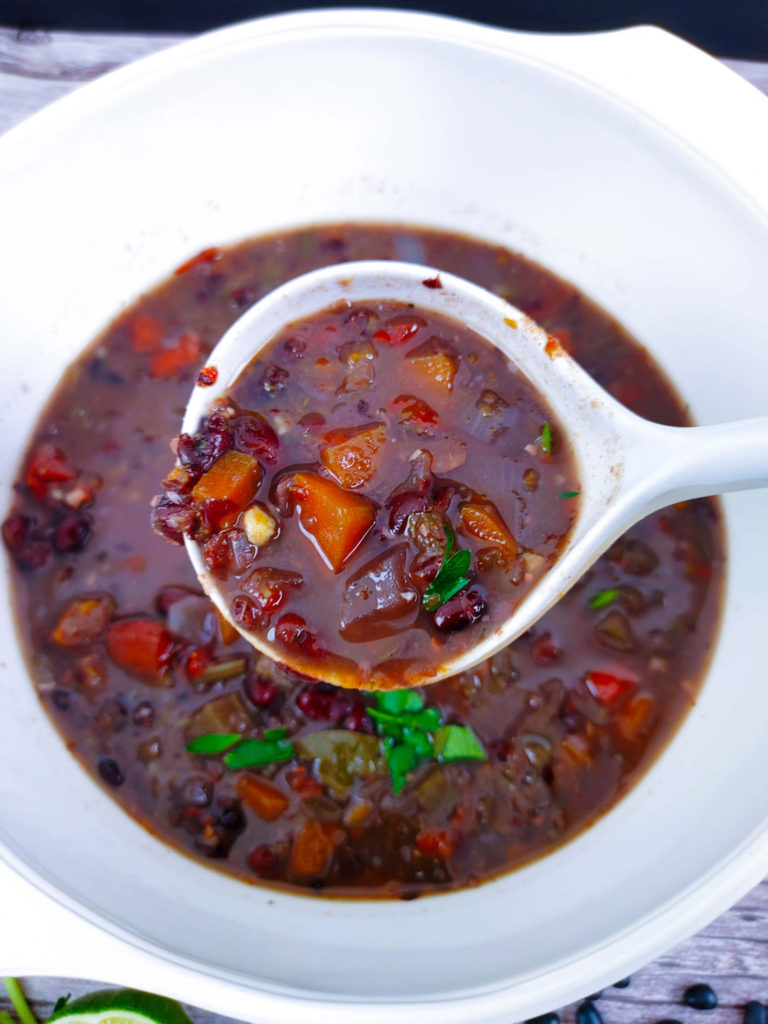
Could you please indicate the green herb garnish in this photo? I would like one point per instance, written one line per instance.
(458, 743)
(451, 576)
(214, 743)
(413, 733)
(275, 734)
(545, 439)
(569, 494)
(603, 598)
(401, 759)
(244, 753)
(253, 753)
(398, 701)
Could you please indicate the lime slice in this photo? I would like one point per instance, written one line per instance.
(120, 1006)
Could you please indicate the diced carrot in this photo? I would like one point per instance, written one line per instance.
(606, 686)
(169, 361)
(635, 717)
(435, 362)
(313, 848)
(336, 519)
(576, 746)
(146, 333)
(352, 454)
(83, 621)
(227, 631)
(235, 478)
(142, 647)
(484, 521)
(266, 800)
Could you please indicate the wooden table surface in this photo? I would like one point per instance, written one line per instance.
(732, 953)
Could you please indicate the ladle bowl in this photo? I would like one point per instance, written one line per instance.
(628, 467)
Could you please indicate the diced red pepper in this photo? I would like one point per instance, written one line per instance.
(207, 377)
(300, 782)
(397, 334)
(414, 410)
(142, 647)
(197, 662)
(435, 842)
(606, 686)
(169, 361)
(146, 333)
(49, 465)
(206, 256)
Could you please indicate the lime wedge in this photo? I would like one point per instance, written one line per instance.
(120, 1006)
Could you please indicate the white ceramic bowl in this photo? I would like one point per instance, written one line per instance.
(630, 163)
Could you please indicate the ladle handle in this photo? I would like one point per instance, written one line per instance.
(672, 464)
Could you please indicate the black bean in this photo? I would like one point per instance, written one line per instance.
(755, 1013)
(668, 1020)
(231, 817)
(545, 1018)
(587, 1013)
(61, 698)
(72, 534)
(110, 771)
(624, 983)
(700, 997)
(595, 995)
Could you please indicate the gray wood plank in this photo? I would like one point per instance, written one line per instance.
(732, 953)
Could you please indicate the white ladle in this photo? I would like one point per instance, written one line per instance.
(628, 466)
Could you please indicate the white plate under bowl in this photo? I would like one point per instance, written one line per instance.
(630, 163)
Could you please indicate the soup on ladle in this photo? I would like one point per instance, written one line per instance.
(377, 489)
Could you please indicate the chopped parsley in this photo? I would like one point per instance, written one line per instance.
(412, 733)
(569, 494)
(451, 576)
(214, 743)
(545, 439)
(253, 753)
(458, 743)
(603, 598)
(244, 753)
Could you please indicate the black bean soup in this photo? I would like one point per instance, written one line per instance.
(270, 777)
(415, 489)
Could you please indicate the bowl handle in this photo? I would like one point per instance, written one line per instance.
(43, 937)
(617, 62)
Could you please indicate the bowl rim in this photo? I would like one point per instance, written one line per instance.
(615, 65)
